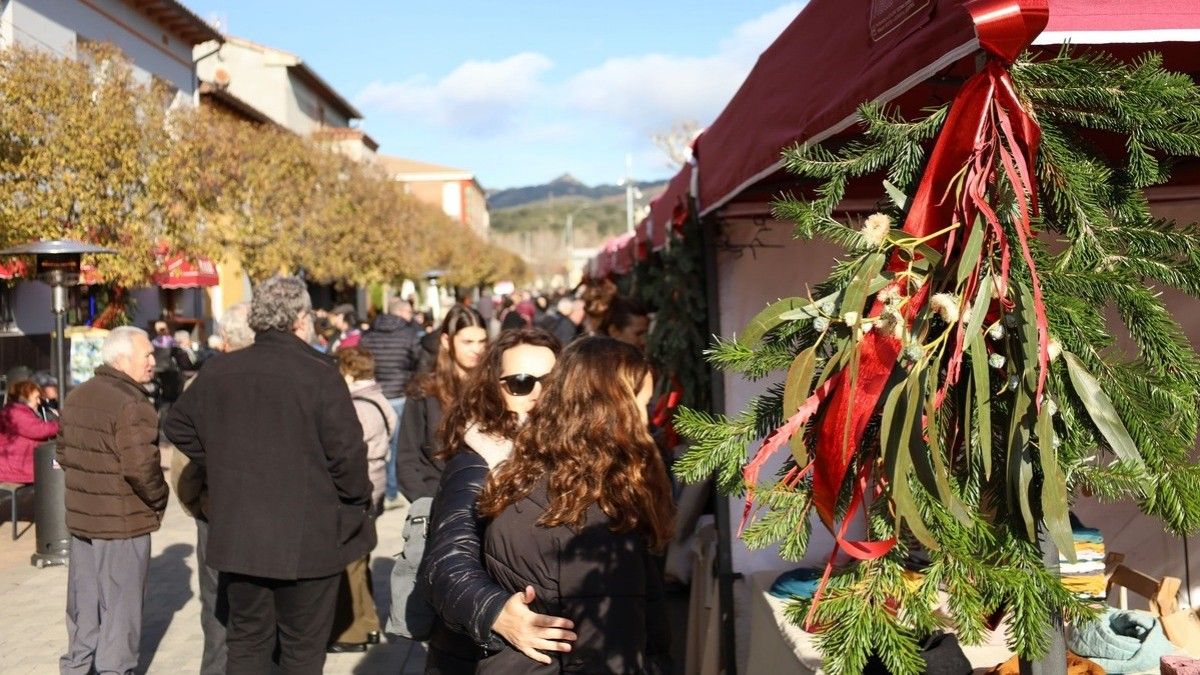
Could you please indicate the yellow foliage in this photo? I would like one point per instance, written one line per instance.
(86, 152)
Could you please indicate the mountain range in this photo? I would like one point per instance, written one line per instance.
(565, 185)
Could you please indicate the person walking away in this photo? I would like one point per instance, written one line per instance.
(356, 622)
(463, 339)
(115, 497)
(394, 341)
(577, 511)
(564, 322)
(22, 428)
(474, 612)
(192, 492)
(273, 428)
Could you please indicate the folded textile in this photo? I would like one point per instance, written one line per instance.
(1122, 641)
(798, 583)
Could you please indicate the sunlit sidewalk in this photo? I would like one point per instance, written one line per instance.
(32, 604)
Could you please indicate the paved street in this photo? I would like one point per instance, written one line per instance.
(32, 603)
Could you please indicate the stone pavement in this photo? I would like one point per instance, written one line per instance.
(32, 604)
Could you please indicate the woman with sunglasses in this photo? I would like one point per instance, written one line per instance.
(474, 612)
(577, 511)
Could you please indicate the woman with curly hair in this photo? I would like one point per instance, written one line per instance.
(474, 613)
(577, 511)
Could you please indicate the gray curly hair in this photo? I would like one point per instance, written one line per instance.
(235, 327)
(277, 303)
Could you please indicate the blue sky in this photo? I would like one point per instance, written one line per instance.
(521, 92)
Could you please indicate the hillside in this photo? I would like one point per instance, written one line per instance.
(599, 211)
(565, 185)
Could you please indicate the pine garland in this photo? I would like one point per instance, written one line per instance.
(975, 529)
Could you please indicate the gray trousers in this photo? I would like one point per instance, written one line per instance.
(214, 607)
(106, 584)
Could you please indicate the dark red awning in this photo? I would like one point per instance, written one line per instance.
(835, 55)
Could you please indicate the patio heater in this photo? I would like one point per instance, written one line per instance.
(58, 264)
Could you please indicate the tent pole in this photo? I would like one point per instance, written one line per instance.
(724, 572)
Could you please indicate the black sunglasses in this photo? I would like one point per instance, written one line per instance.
(521, 384)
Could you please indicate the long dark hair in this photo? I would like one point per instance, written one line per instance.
(481, 401)
(444, 382)
(587, 436)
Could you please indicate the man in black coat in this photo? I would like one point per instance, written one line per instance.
(275, 432)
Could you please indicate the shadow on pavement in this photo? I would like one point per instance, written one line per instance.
(168, 589)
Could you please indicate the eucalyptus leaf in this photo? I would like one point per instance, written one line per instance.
(1054, 489)
(982, 389)
(939, 469)
(1101, 410)
(769, 319)
(796, 390)
(858, 288)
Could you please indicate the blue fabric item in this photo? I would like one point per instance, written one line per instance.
(1122, 641)
(798, 583)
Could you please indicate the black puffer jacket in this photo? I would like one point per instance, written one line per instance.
(396, 346)
(417, 470)
(464, 595)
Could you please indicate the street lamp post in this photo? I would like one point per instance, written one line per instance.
(58, 264)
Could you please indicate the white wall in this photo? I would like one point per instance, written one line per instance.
(55, 25)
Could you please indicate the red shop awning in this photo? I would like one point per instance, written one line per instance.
(179, 271)
(13, 268)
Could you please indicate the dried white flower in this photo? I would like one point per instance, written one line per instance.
(914, 352)
(1055, 350)
(889, 295)
(820, 324)
(891, 323)
(875, 230)
(997, 360)
(1051, 406)
(866, 327)
(996, 332)
(851, 318)
(1055, 441)
(946, 306)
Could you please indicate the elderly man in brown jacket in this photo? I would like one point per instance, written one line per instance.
(116, 495)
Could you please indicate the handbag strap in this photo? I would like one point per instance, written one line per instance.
(387, 427)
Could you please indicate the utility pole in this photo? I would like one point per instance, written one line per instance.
(629, 193)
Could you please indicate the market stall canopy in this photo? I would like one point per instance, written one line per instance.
(835, 56)
(179, 271)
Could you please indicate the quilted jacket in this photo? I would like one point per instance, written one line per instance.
(108, 445)
(465, 597)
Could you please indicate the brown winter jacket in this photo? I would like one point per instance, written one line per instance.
(108, 446)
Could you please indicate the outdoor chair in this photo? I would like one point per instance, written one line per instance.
(14, 489)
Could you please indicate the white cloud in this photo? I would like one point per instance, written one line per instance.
(480, 98)
(649, 92)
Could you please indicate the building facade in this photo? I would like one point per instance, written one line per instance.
(455, 191)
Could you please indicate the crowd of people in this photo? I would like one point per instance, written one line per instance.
(513, 439)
